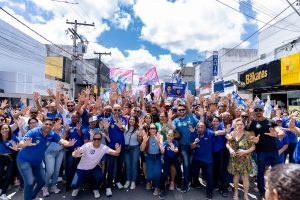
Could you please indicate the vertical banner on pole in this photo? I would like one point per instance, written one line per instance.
(215, 63)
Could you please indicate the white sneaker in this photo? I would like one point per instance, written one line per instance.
(45, 192)
(75, 192)
(96, 194)
(108, 192)
(132, 186)
(3, 197)
(127, 184)
(54, 189)
(119, 185)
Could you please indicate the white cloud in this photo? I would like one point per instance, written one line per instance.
(190, 24)
(17, 5)
(122, 20)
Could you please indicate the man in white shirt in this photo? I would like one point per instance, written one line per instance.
(89, 165)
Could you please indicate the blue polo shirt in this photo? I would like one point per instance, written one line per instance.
(35, 154)
(297, 149)
(204, 149)
(280, 144)
(219, 141)
(168, 152)
(6, 144)
(293, 138)
(115, 134)
(182, 127)
(73, 134)
(85, 118)
(55, 115)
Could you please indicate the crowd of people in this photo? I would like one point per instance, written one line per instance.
(163, 142)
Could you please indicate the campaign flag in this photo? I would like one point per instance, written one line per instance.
(268, 108)
(238, 99)
(121, 75)
(140, 80)
(150, 78)
(176, 78)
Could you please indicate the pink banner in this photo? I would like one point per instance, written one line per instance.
(121, 75)
(150, 77)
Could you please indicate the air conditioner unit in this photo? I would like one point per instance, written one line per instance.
(82, 48)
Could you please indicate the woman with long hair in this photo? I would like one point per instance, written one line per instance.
(153, 148)
(8, 149)
(240, 163)
(132, 151)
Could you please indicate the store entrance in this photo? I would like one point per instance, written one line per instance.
(279, 99)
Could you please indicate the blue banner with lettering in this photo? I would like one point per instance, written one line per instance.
(215, 63)
(219, 86)
(175, 90)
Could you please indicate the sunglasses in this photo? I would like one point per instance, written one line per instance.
(97, 139)
(244, 116)
(258, 110)
(117, 110)
(34, 113)
(152, 128)
(70, 105)
(181, 109)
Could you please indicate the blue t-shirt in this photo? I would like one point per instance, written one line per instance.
(153, 146)
(297, 149)
(168, 152)
(55, 146)
(6, 144)
(87, 135)
(35, 154)
(219, 141)
(293, 138)
(54, 115)
(73, 134)
(85, 118)
(182, 127)
(115, 134)
(204, 149)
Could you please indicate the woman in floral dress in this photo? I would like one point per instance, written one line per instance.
(240, 164)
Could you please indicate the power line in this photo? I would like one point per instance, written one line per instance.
(254, 33)
(252, 17)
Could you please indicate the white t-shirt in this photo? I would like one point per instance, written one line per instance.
(66, 117)
(91, 155)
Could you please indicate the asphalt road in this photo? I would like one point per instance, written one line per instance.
(140, 193)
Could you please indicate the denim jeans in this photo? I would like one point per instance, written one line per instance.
(290, 151)
(80, 176)
(167, 161)
(119, 160)
(220, 159)
(53, 161)
(71, 166)
(186, 156)
(32, 173)
(153, 167)
(207, 169)
(131, 161)
(264, 159)
(6, 176)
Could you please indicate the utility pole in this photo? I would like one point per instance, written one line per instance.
(99, 69)
(75, 36)
(293, 7)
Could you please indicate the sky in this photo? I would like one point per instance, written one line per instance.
(141, 34)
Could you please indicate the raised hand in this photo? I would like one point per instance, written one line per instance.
(78, 125)
(192, 129)
(228, 127)
(91, 132)
(254, 139)
(105, 124)
(57, 124)
(196, 140)
(36, 96)
(14, 146)
(50, 92)
(4, 104)
(273, 132)
(120, 124)
(145, 137)
(72, 142)
(77, 153)
(118, 148)
(20, 122)
(28, 142)
(24, 101)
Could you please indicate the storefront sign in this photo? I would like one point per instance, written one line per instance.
(263, 76)
(290, 69)
(219, 86)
